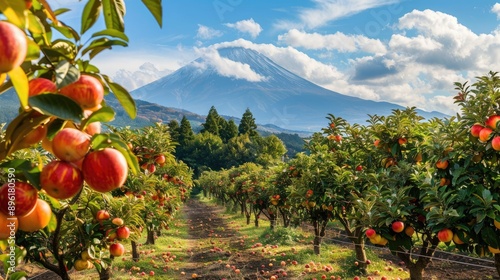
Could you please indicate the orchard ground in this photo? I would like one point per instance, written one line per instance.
(208, 242)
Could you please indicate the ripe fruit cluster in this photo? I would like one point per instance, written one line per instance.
(149, 159)
(487, 132)
(114, 230)
(21, 207)
(103, 170)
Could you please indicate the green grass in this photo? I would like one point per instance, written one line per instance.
(283, 246)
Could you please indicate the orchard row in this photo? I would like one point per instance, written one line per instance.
(400, 181)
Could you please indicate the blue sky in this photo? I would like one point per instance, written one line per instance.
(405, 52)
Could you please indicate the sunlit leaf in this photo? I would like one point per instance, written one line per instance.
(155, 7)
(20, 83)
(112, 33)
(33, 51)
(104, 114)
(125, 99)
(113, 14)
(14, 11)
(90, 14)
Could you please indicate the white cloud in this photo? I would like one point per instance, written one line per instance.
(142, 66)
(227, 67)
(247, 26)
(330, 10)
(337, 41)
(496, 10)
(205, 32)
(146, 74)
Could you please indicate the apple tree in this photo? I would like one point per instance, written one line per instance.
(473, 171)
(62, 103)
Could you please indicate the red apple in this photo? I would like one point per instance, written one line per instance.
(123, 232)
(160, 159)
(492, 121)
(116, 249)
(102, 215)
(34, 136)
(13, 46)
(110, 235)
(370, 233)
(61, 179)
(70, 144)
(87, 91)
(17, 198)
(359, 168)
(105, 170)
(398, 226)
(402, 141)
(475, 129)
(445, 235)
(117, 221)
(41, 85)
(442, 164)
(495, 143)
(484, 134)
(409, 230)
(151, 168)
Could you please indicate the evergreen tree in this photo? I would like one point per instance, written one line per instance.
(212, 122)
(174, 130)
(186, 133)
(229, 130)
(247, 124)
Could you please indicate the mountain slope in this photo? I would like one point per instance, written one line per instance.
(281, 98)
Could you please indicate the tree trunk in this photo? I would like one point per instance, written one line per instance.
(135, 252)
(150, 239)
(416, 271)
(416, 268)
(105, 274)
(256, 222)
(272, 220)
(284, 216)
(317, 237)
(497, 263)
(359, 248)
(248, 218)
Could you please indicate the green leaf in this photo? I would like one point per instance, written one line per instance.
(105, 114)
(57, 105)
(67, 31)
(154, 6)
(114, 10)
(66, 73)
(112, 33)
(124, 98)
(102, 43)
(14, 11)
(90, 14)
(20, 83)
(34, 24)
(51, 227)
(18, 275)
(17, 164)
(33, 51)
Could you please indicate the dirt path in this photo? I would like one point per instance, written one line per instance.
(218, 250)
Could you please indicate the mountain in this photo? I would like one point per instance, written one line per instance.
(147, 114)
(281, 99)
